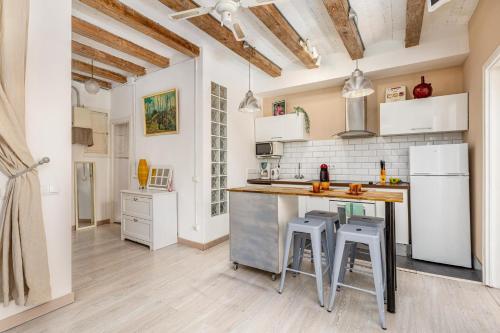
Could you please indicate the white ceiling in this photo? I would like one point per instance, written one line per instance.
(381, 24)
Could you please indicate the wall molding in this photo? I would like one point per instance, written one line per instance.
(35, 312)
(201, 246)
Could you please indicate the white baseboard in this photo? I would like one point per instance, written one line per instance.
(35, 312)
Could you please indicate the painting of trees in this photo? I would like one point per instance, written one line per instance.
(161, 114)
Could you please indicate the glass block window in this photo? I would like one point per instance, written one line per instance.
(219, 149)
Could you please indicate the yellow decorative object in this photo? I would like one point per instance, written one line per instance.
(142, 173)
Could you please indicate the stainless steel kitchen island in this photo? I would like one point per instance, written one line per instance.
(258, 216)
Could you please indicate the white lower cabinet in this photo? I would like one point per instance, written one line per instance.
(307, 204)
(149, 217)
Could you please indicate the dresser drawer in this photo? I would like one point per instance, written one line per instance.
(137, 228)
(136, 205)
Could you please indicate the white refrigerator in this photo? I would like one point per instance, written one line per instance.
(440, 214)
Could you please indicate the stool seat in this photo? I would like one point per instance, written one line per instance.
(355, 232)
(367, 219)
(306, 224)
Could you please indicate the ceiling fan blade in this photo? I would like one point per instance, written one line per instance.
(254, 3)
(190, 13)
(238, 31)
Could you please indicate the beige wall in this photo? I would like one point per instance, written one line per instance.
(484, 38)
(326, 106)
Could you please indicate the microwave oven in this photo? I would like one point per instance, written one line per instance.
(269, 149)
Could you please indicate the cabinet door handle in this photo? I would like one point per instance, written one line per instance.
(276, 137)
(421, 128)
(135, 199)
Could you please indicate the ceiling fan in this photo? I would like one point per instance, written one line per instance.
(226, 9)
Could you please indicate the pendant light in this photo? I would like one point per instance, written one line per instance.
(249, 103)
(91, 85)
(357, 85)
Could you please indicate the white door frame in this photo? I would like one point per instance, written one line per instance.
(114, 123)
(491, 259)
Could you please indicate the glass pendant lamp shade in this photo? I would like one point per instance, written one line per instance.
(357, 85)
(249, 103)
(91, 85)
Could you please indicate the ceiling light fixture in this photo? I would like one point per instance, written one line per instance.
(91, 85)
(358, 85)
(312, 50)
(249, 103)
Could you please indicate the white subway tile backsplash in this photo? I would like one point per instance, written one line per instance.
(357, 159)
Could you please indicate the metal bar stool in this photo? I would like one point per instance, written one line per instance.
(368, 221)
(316, 230)
(303, 241)
(364, 235)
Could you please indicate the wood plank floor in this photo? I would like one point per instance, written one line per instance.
(121, 286)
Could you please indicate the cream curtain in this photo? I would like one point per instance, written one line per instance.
(24, 274)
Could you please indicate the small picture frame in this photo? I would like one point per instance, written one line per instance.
(279, 108)
(160, 178)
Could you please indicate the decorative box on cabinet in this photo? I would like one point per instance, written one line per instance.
(289, 127)
(426, 115)
(149, 217)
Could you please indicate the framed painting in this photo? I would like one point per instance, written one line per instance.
(161, 113)
(279, 108)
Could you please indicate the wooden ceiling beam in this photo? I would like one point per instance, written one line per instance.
(212, 27)
(82, 78)
(274, 20)
(139, 22)
(102, 36)
(346, 27)
(414, 17)
(81, 66)
(106, 58)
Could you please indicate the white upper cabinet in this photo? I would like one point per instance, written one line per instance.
(427, 115)
(289, 127)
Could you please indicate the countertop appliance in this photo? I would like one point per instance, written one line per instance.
(268, 149)
(275, 173)
(265, 170)
(440, 214)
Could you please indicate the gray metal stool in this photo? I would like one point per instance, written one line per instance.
(302, 242)
(316, 229)
(364, 235)
(368, 221)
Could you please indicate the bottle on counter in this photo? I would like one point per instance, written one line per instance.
(383, 174)
(324, 177)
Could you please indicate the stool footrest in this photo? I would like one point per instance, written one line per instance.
(357, 288)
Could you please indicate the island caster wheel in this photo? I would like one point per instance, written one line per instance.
(273, 277)
(235, 266)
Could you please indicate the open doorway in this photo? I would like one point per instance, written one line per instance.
(120, 164)
(491, 174)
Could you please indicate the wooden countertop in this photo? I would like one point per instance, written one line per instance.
(368, 195)
(338, 183)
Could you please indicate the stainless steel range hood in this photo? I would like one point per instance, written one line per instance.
(355, 119)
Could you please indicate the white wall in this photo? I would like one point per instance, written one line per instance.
(222, 67)
(99, 102)
(216, 63)
(48, 127)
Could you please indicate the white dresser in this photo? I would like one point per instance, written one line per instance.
(149, 217)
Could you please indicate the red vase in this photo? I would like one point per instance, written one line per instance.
(422, 90)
